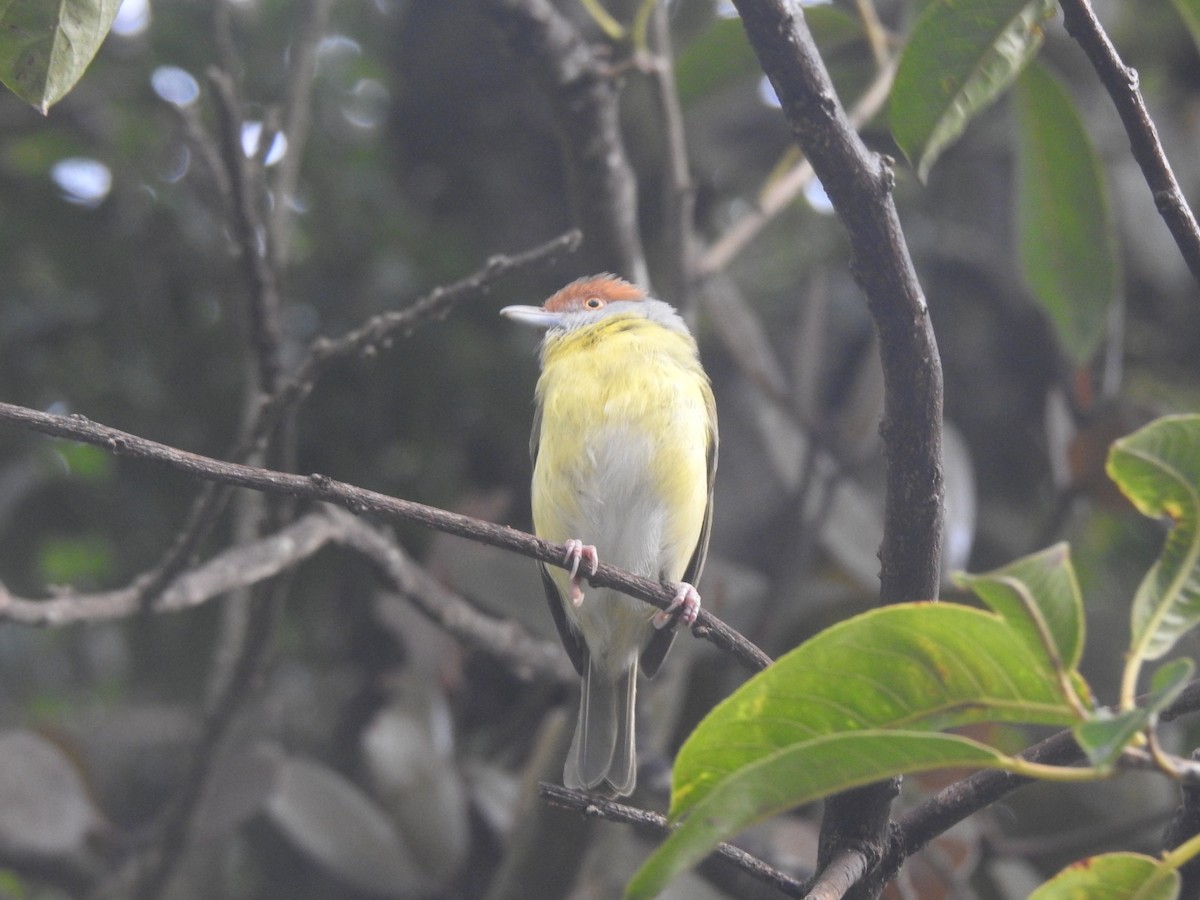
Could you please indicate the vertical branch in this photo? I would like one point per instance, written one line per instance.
(583, 95)
(859, 183)
(248, 233)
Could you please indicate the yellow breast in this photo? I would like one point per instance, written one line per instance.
(627, 418)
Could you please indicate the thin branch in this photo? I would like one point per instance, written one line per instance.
(1121, 82)
(915, 828)
(780, 191)
(238, 567)
(366, 340)
(583, 96)
(248, 233)
(611, 811)
(359, 500)
(525, 656)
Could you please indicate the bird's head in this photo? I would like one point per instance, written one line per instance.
(588, 300)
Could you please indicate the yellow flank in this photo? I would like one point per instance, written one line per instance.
(623, 446)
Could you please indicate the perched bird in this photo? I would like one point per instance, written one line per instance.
(624, 449)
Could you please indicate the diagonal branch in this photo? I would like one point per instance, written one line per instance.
(359, 500)
(1121, 82)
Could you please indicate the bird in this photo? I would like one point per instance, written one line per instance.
(624, 449)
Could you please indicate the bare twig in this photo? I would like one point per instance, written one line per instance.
(365, 340)
(782, 190)
(610, 810)
(1121, 82)
(525, 656)
(584, 98)
(248, 233)
(359, 500)
(237, 567)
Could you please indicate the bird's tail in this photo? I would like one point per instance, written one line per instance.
(602, 758)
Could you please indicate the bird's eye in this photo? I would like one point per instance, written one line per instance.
(593, 303)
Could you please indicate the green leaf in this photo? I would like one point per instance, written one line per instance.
(1066, 237)
(848, 707)
(74, 559)
(1189, 11)
(1158, 468)
(915, 665)
(45, 47)
(798, 775)
(1106, 735)
(1112, 876)
(719, 56)
(1039, 597)
(961, 56)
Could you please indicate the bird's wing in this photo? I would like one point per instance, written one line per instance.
(576, 649)
(660, 642)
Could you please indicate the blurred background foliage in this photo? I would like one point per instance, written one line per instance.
(429, 151)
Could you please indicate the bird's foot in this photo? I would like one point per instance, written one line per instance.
(685, 607)
(578, 551)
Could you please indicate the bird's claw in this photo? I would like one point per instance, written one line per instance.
(685, 607)
(577, 550)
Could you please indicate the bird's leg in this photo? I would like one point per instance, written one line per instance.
(577, 550)
(685, 607)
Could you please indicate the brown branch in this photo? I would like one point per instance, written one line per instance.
(1121, 82)
(583, 96)
(915, 828)
(525, 656)
(359, 500)
(246, 223)
(610, 810)
(238, 567)
(859, 184)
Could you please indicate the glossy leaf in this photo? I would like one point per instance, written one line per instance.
(1158, 469)
(1112, 876)
(961, 56)
(847, 708)
(798, 775)
(1105, 736)
(1039, 597)
(1066, 237)
(46, 47)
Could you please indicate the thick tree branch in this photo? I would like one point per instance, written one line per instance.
(583, 96)
(359, 500)
(859, 183)
(1121, 82)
